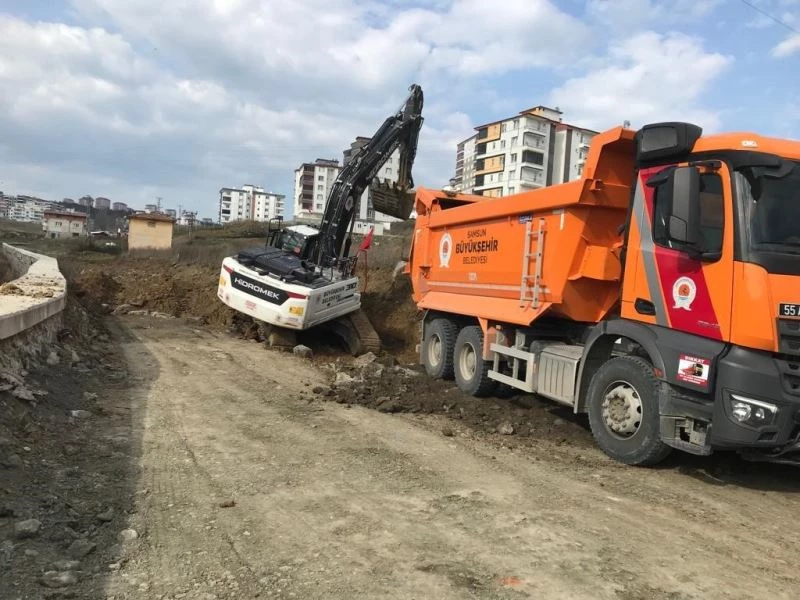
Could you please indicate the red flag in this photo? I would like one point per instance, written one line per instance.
(367, 241)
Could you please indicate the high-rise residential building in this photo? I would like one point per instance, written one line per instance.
(5, 205)
(119, 206)
(387, 173)
(530, 150)
(249, 203)
(312, 184)
(26, 208)
(101, 202)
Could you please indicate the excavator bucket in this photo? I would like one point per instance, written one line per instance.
(391, 199)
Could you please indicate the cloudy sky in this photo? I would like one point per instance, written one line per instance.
(134, 99)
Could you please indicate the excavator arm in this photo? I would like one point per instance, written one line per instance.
(400, 130)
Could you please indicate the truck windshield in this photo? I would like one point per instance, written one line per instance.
(771, 200)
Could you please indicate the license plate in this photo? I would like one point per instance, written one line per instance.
(789, 310)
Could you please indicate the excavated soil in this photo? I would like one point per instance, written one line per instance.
(152, 284)
(387, 300)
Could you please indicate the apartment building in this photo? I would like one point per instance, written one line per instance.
(312, 184)
(249, 203)
(26, 208)
(388, 172)
(527, 151)
(5, 205)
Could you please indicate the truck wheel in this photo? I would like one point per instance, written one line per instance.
(437, 348)
(471, 371)
(623, 411)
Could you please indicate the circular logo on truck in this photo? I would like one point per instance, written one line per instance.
(445, 250)
(684, 291)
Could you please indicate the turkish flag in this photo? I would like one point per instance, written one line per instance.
(367, 242)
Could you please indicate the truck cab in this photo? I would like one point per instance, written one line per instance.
(712, 268)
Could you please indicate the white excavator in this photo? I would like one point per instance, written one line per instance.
(304, 277)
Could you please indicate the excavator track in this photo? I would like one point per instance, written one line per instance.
(356, 331)
(370, 340)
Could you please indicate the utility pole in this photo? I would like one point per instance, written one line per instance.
(158, 203)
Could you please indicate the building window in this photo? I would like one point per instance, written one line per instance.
(502, 143)
(503, 128)
(319, 196)
(512, 190)
(516, 123)
(388, 171)
(514, 158)
(514, 141)
(319, 188)
(320, 178)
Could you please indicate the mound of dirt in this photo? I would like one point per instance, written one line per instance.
(390, 307)
(380, 383)
(153, 284)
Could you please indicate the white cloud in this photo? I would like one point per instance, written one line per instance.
(787, 47)
(645, 78)
(146, 97)
(179, 98)
(631, 15)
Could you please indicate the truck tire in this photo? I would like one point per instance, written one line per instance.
(437, 348)
(623, 411)
(471, 371)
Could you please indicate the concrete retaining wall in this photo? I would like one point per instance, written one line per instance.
(38, 293)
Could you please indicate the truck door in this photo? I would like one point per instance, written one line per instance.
(666, 284)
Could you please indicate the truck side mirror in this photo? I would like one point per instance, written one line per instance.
(679, 189)
(682, 195)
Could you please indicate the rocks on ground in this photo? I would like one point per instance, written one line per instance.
(302, 351)
(58, 579)
(380, 383)
(27, 528)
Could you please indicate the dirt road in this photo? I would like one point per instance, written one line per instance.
(200, 466)
(338, 502)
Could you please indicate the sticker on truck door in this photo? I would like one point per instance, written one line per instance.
(693, 369)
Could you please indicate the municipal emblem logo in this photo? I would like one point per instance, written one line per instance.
(684, 291)
(445, 250)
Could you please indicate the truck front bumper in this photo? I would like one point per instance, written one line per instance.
(757, 402)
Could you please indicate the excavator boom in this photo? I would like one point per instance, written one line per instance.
(400, 130)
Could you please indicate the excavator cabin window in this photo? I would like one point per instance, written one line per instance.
(712, 216)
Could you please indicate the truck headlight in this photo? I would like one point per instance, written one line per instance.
(752, 412)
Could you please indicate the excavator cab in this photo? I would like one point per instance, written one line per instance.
(299, 240)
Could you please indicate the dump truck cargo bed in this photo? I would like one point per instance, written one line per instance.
(554, 250)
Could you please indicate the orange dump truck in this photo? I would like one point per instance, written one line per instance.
(660, 293)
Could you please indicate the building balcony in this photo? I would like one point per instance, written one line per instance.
(488, 134)
(528, 184)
